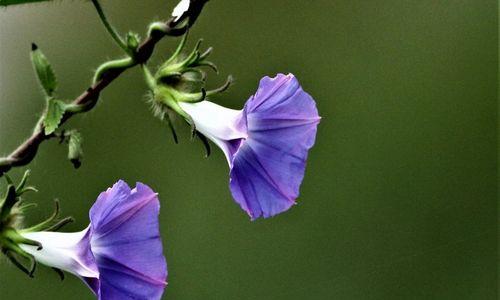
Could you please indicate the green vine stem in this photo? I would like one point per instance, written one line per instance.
(111, 30)
(27, 151)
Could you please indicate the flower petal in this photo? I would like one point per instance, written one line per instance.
(126, 243)
(269, 166)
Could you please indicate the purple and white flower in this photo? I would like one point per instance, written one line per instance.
(119, 255)
(266, 143)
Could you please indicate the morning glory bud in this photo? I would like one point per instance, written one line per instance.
(266, 143)
(119, 255)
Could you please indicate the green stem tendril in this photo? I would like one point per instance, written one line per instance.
(148, 77)
(122, 63)
(116, 37)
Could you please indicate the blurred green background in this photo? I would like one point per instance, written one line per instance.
(399, 199)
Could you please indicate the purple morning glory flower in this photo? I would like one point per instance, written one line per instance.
(266, 144)
(119, 255)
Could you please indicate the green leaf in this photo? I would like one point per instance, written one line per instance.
(55, 112)
(15, 2)
(75, 151)
(43, 70)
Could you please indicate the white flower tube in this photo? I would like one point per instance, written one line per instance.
(65, 251)
(223, 126)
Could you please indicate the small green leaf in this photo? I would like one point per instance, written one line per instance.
(43, 70)
(55, 112)
(75, 151)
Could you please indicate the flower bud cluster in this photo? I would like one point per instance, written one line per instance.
(182, 78)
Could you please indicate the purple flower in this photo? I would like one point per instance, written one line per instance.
(119, 255)
(266, 144)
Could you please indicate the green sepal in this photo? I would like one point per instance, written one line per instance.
(13, 252)
(54, 114)
(169, 117)
(178, 63)
(21, 188)
(59, 224)
(23, 181)
(15, 237)
(166, 98)
(59, 272)
(51, 223)
(8, 202)
(47, 223)
(8, 215)
(192, 97)
(175, 56)
(43, 70)
(205, 142)
(222, 88)
(192, 80)
(25, 207)
(8, 179)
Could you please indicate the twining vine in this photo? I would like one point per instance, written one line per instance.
(137, 54)
(266, 145)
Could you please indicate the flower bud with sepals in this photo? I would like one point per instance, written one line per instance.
(182, 79)
(12, 209)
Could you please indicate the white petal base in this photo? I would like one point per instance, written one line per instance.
(65, 251)
(218, 123)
